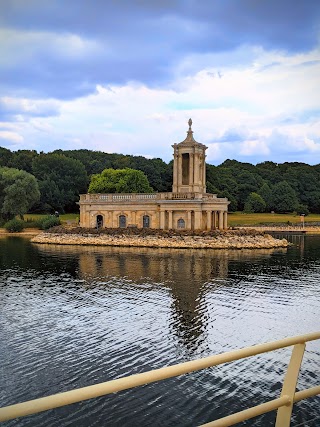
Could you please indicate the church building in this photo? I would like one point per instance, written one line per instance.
(187, 207)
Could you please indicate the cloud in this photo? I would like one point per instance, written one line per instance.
(292, 143)
(11, 137)
(65, 49)
(44, 64)
(13, 108)
(247, 75)
(254, 148)
(236, 135)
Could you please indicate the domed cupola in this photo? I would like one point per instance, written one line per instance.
(189, 168)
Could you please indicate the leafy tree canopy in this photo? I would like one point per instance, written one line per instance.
(5, 156)
(266, 193)
(284, 198)
(22, 159)
(19, 191)
(233, 179)
(120, 181)
(61, 180)
(254, 203)
(157, 171)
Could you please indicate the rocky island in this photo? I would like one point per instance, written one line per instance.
(231, 239)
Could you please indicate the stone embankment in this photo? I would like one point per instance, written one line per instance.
(217, 240)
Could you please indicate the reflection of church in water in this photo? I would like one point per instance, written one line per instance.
(187, 207)
(187, 276)
(183, 274)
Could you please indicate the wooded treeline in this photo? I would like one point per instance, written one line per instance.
(64, 174)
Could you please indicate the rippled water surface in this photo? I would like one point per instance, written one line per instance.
(75, 316)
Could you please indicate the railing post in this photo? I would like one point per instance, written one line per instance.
(289, 385)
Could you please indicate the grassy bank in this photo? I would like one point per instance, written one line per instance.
(64, 218)
(242, 219)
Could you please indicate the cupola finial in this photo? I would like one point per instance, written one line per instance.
(190, 124)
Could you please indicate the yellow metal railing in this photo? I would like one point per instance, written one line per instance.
(283, 403)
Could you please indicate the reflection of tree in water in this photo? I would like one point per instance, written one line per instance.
(19, 251)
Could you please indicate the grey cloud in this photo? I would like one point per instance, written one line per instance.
(140, 40)
(290, 25)
(12, 107)
(236, 135)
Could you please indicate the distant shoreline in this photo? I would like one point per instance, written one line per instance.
(26, 232)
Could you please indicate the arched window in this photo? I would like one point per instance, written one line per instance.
(122, 221)
(146, 221)
(99, 222)
(181, 223)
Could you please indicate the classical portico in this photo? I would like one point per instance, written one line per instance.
(187, 207)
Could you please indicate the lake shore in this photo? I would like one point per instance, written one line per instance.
(215, 240)
(24, 233)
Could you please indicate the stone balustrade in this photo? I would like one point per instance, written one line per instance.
(118, 197)
(131, 197)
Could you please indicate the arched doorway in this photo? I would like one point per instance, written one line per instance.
(181, 223)
(122, 221)
(146, 221)
(99, 221)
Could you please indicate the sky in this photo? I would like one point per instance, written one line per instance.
(124, 76)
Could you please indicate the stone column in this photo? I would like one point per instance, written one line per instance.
(196, 169)
(204, 174)
(175, 172)
(133, 217)
(197, 220)
(225, 220)
(179, 170)
(189, 224)
(214, 220)
(209, 214)
(162, 220)
(170, 220)
(220, 220)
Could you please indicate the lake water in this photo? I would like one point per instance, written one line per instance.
(75, 316)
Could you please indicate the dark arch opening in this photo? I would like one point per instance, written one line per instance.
(146, 221)
(99, 222)
(122, 221)
(181, 223)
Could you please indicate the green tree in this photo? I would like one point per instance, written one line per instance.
(61, 180)
(220, 181)
(158, 172)
(284, 198)
(266, 193)
(254, 203)
(120, 181)
(19, 191)
(22, 159)
(5, 156)
(269, 171)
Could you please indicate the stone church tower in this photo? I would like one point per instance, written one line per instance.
(189, 168)
(187, 207)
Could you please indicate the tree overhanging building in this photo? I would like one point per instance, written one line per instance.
(187, 207)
